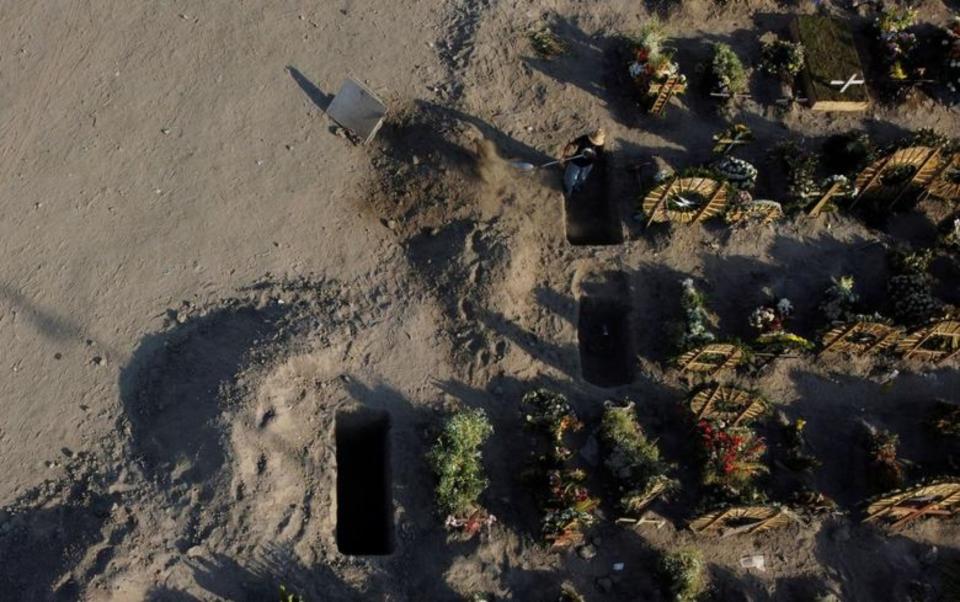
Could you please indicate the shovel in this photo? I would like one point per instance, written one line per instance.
(523, 166)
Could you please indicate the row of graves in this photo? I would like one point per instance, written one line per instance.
(816, 62)
(724, 413)
(726, 420)
(848, 173)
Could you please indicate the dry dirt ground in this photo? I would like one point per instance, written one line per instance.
(198, 275)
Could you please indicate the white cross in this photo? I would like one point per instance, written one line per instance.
(853, 81)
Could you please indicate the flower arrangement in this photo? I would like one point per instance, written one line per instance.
(797, 457)
(651, 64)
(732, 455)
(729, 76)
(726, 140)
(632, 459)
(782, 58)
(882, 447)
(683, 575)
(738, 172)
(800, 167)
(696, 329)
(773, 337)
(457, 462)
(567, 505)
(898, 43)
(568, 508)
(910, 288)
(743, 208)
(552, 413)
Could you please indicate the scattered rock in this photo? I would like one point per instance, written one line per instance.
(99, 361)
(587, 552)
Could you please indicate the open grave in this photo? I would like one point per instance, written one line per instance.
(591, 213)
(364, 483)
(606, 348)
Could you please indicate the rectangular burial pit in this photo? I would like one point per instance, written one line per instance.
(606, 351)
(592, 216)
(364, 483)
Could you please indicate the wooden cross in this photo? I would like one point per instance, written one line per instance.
(853, 81)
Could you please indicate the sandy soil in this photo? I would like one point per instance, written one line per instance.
(199, 275)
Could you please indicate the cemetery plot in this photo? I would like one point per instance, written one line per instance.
(685, 200)
(730, 405)
(861, 338)
(364, 500)
(833, 75)
(711, 359)
(742, 520)
(938, 342)
(941, 499)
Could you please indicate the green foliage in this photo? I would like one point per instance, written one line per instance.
(801, 171)
(932, 138)
(728, 70)
(286, 596)
(696, 329)
(782, 58)
(633, 459)
(649, 38)
(456, 460)
(910, 288)
(895, 19)
(551, 412)
(546, 43)
(567, 504)
(840, 299)
(683, 574)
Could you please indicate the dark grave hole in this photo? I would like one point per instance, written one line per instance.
(606, 353)
(592, 214)
(364, 483)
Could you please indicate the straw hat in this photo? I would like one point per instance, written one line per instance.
(597, 137)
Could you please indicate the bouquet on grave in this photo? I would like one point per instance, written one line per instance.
(886, 466)
(739, 173)
(652, 65)
(633, 459)
(898, 43)
(773, 337)
(456, 461)
(911, 288)
(732, 455)
(568, 508)
(696, 325)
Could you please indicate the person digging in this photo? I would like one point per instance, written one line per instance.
(580, 156)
